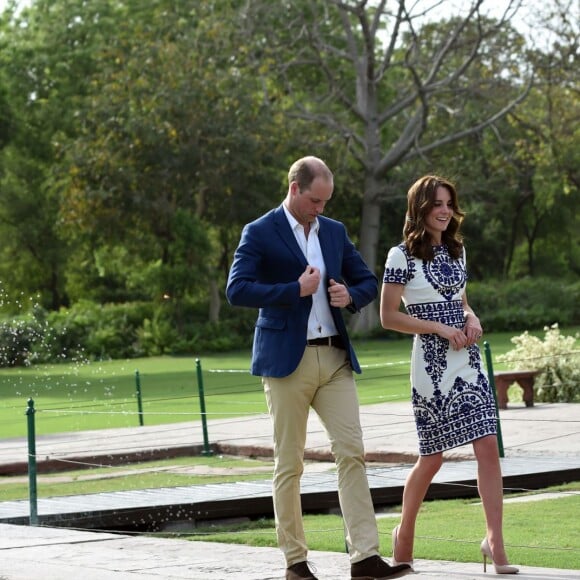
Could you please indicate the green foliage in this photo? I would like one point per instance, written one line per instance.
(86, 331)
(526, 303)
(180, 326)
(48, 51)
(556, 357)
(110, 273)
(18, 337)
(174, 146)
(136, 138)
(92, 331)
(97, 331)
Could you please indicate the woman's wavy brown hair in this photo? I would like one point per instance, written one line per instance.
(420, 201)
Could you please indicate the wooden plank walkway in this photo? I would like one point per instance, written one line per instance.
(156, 509)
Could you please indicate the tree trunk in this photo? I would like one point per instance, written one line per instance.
(215, 302)
(368, 318)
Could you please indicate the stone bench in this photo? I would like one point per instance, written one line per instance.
(504, 379)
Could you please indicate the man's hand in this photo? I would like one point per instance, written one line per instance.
(338, 293)
(309, 281)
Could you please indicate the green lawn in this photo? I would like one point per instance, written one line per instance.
(540, 533)
(101, 395)
(175, 472)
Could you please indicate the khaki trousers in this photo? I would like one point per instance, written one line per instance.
(325, 382)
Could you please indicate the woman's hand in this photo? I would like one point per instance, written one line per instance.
(472, 329)
(456, 337)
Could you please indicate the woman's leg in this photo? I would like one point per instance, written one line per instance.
(416, 487)
(490, 486)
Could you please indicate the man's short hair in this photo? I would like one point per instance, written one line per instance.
(305, 170)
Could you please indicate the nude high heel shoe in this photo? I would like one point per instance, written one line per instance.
(499, 568)
(395, 562)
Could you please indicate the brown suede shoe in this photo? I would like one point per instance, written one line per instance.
(299, 571)
(375, 568)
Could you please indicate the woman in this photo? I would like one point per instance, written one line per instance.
(452, 400)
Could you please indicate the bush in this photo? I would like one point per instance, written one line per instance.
(526, 303)
(98, 331)
(89, 330)
(556, 358)
(84, 332)
(17, 339)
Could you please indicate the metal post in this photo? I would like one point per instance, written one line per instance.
(492, 383)
(206, 448)
(139, 400)
(32, 491)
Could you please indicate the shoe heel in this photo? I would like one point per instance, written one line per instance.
(396, 562)
(499, 568)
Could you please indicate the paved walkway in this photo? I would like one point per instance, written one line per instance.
(31, 553)
(389, 433)
(58, 554)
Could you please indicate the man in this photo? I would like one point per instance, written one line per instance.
(300, 269)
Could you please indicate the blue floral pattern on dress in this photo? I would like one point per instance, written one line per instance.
(434, 355)
(450, 313)
(401, 275)
(446, 421)
(474, 357)
(445, 274)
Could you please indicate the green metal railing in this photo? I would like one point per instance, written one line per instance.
(489, 364)
(206, 448)
(32, 489)
(207, 451)
(139, 397)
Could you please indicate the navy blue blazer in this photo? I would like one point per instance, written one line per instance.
(264, 274)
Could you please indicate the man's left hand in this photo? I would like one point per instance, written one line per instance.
(338, 294)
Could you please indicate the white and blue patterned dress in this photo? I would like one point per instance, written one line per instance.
(452, 399)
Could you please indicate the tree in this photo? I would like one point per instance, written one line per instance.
(519, 182)
(552, 151)
(47, 55)
(380, 76)
(173, 132)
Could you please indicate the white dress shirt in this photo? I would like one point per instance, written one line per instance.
(320, 322)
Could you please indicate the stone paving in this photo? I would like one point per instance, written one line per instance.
(57, 554)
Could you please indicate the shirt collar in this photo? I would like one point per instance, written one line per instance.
(314, 226)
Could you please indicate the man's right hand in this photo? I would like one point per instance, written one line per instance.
(309, 281)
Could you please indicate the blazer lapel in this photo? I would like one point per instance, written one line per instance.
(285, 231)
